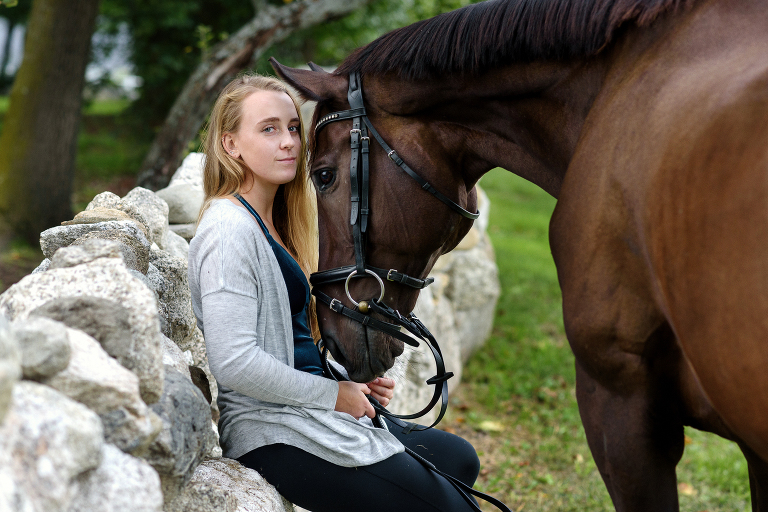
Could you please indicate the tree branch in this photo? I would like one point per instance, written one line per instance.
(242, 50)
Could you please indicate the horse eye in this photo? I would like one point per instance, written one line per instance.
(324, 178)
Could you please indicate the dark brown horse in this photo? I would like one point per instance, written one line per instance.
(648, 121)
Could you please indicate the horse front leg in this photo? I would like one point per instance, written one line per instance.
(636, 439)
(758, 479)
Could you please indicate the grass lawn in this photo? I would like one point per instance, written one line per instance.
(517, 401)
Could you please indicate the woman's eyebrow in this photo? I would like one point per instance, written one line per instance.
(277, 119)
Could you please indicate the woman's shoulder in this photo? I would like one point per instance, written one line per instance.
(229, 228)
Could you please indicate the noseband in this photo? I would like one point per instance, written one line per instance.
(360, 137)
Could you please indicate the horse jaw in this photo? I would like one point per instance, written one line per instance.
(365, 353)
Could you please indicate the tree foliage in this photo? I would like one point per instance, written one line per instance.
(169, 37)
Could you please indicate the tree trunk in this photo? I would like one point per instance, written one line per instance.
(241, 51)
(39, 139)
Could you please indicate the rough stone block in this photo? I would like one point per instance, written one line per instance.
(154, 210)
(61, 236)
(224, 485)
(44, 345)
(106, 278)
(10, 365)
(186, 436)
(184, 202)
(120, 483)
(48, 443)
(98, 381)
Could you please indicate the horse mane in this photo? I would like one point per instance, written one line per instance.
(495, 32)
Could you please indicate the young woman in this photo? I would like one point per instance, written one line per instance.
(255, 244)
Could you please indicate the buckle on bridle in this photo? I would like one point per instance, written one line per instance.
(390, 155)
(389, 274)
(353, 130)
(336, 305)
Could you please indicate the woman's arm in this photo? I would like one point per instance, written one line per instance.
(238, 362)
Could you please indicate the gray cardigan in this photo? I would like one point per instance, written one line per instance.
(241, 303)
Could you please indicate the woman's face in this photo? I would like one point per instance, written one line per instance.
(268, 138)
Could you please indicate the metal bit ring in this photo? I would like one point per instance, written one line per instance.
(371, 272)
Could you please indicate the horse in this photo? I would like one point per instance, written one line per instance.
(647, 120)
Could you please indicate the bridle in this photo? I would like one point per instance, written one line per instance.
(359, 171)
(359, 181)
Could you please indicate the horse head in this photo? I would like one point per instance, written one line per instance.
(406, 235)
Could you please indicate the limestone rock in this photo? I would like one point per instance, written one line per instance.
(71, 256)
(105, 320)
(224, 485)
(47, 444)
(154, 209)
(112, 201)
(62, 236)
(172, 286)
(102, 214)
(97, 214)
(184, 202)
(175, 245)
(134, 253)
(10, 365)
(42, 267)
(98, 381)
(45, 348)
(190, 171)
(119, 484)
(175, 358)
(106, 278)
(186, 436)
(195, 344)
(186, 231)
(473, 290)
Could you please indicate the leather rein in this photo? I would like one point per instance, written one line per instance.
(360, 137)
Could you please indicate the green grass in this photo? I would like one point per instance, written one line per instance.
(522, 382)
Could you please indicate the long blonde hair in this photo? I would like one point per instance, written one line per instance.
(294, 211)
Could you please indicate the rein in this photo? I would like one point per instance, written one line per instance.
(359, 170)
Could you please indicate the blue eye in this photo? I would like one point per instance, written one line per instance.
(293, 128)
(269, 129)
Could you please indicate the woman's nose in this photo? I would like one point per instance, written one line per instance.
(287, 141)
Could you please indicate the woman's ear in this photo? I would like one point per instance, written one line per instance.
(312, 85)
(229, 145)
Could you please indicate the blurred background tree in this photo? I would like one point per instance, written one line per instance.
(37, 157)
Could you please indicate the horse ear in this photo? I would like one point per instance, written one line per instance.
(312, 85)
(315, 67)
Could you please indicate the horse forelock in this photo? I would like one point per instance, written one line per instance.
(496, 32)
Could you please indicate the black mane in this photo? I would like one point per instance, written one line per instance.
(496, 32)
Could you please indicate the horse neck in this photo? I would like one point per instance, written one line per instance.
(525, 118)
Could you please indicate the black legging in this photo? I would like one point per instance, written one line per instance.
(397, 483)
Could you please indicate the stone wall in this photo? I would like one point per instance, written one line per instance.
(106, 399)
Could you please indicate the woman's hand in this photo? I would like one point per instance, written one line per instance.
(382, 389)
(352, 400)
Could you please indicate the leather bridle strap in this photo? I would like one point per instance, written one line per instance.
(341, 273)
(392, 154)
(385, 327)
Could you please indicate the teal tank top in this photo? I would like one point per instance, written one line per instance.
(306, 357)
